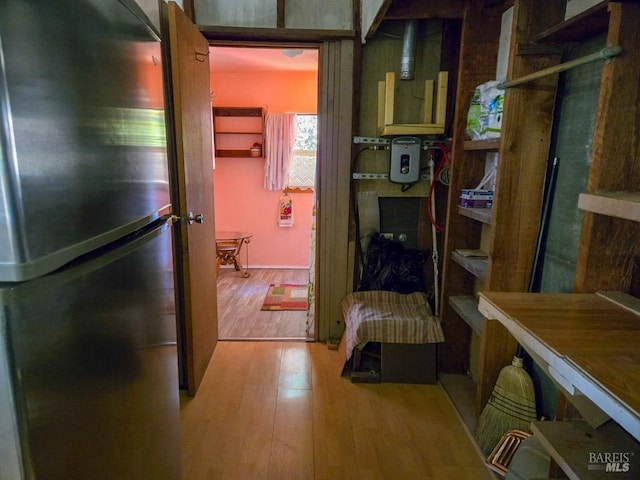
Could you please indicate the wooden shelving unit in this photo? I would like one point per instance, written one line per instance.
(460, 319)
(523, 151)
(609, 249)
(231, 123)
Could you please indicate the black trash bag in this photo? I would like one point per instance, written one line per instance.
(392, 267)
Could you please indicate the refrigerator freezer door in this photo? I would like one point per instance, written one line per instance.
(10, 449)
(93, 365)
(82, 130)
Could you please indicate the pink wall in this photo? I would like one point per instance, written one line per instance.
(241, 202)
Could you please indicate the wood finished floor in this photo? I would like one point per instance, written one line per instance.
(281, 411)
(240, 300)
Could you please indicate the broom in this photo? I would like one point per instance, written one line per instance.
(512, 403)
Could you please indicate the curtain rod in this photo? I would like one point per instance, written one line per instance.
(604, 54)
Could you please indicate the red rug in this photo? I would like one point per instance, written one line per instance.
(286, 296)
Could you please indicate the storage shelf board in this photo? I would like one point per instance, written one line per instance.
(588, 23)
(235, 153)
(477, 266)
(412, 129)
(625, 205)
(585, 342)
(480, 214)
(488, 145)
(237, 111)
(467, 307)
(237, 133)
(571, 444)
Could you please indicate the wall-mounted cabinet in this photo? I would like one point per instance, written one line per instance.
(237, 130)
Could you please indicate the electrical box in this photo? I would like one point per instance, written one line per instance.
(405, 160)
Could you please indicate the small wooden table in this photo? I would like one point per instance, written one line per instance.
(228, 247)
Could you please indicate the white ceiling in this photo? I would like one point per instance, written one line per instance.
(245, 59)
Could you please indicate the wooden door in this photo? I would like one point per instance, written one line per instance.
(192, 144)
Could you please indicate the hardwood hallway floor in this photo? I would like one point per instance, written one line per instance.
(281, 411)
(240, 300)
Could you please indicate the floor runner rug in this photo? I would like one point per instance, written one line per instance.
(286, 296)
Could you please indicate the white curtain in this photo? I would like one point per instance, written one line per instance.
(280, 134)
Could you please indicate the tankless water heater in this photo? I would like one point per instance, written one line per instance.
(405, 160)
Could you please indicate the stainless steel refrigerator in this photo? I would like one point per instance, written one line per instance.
(88, 367)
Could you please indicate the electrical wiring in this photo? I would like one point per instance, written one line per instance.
(436, 175)
(435, 228)
(354, 204)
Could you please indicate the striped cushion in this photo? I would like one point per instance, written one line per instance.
(381, 316)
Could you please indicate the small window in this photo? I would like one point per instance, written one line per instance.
(302, 172)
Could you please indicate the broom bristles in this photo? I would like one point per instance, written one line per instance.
(511, 406)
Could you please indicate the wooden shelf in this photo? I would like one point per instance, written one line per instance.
(588, 23)
(570, 444)
(237, 133)
(241, 123)
(237, 111)
(467, 307)
(480, 214)
(431, 124)
(412, 129)
(486, 145)
(235, 153)
(586, 342)
(625, 205)
(477, 266)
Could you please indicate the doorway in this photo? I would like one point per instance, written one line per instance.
(275, 79)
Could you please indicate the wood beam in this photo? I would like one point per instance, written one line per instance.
(273, 34)
(280, 13)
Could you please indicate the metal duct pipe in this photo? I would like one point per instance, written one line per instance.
(408, 61)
